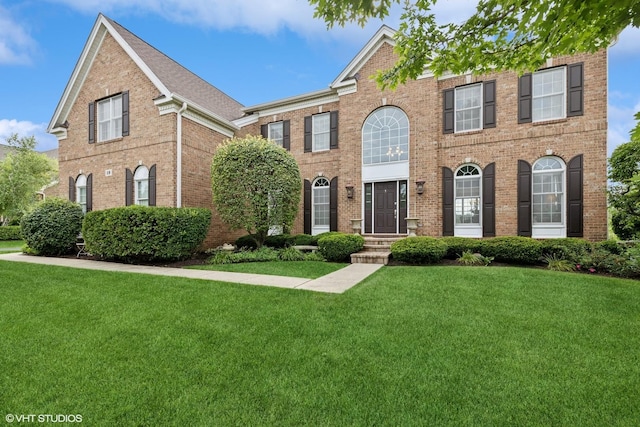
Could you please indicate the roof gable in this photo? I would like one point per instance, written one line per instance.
(170, 78)
(348, 75)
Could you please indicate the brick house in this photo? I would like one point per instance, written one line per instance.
(476, 156)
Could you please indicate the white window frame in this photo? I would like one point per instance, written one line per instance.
(317, 130)
(320, 184)
(272, 131)
(457, 96)
(81, 192)
(535, 113)
(141, 178)
(549, 229)
(380, 144)
(109, 118)
(467, 229)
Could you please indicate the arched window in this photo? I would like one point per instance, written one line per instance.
(321, 207)
(81, 192)
(385, 136)
(548, 193)
(468, 203)
(141, 186)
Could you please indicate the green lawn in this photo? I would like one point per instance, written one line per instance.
(305, 269)
(11, 246)
(408, 346)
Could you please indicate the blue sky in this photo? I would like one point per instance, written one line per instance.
(254, 50)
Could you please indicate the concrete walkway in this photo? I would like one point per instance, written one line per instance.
(336, 282)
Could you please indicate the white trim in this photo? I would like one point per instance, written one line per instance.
(383, 35)
(247, 120)
(455, 108)
(467, 229)
(276, 108)
(196, 114)
(290, 103)
(564, 93)
(348, 90)
(548, 231)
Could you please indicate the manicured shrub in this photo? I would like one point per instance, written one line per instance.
(419, 250)
(10, 232)
(513, 249)
(143, 233)
(338, 247)
(279, 241)
(570, 248)
(611, 246)
(458, 245)
(52, 227)
(317, 237)
(247, 241)
(304, 240)
(245, 255)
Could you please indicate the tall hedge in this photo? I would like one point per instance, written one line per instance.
(145, 233)
(52, 227)
(10, 232)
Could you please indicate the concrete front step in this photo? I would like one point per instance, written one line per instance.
(370, 258)
(376, 248)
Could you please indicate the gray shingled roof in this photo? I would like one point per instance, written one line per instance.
(181, 81)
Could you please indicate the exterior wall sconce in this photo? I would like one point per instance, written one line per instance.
(350, 191)
(420, 186)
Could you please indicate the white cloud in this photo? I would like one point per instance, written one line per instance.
(16, 45)
(621, 122)
(23, 128)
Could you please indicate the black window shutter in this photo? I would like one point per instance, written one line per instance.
(448, 110)
(307, 206)
(447, 202)
(286, 135)
(574, 197)
(574, 88)
(489, 104)
(524, 99)
(333, 130)
(125, 113)
(264, 131)
(333, 204)
(92, 122)
(152, 185)
(308, 147)
(489, 201)
(89, 190)
(72, 189)
(524, 198)
(128, 189)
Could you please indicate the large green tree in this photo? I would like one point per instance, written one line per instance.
(256, 185)
(514, 35)
(624, 193)
(23, 172)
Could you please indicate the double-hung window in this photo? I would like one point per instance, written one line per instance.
(141, 186)
(548, 191)
(320, 132)
(276, 133)
(110, 118)
(549, 94)
(468, 108)
(81, 192)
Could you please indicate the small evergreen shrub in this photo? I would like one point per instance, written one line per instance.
(570, 248)
(338, 247)
(419, 250)
(611, 246)
(458, 245)
(52, 227)
(279, 241)
(304, 240)
(513, 249)
(145, 233)
(246, 241)
(10, 232)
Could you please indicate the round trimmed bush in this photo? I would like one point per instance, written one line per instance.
(569, 248)
(338, 247)
(10, 232)
(419, 250)
(52, 228)
(144, 233)
(459, 245)
(611, 246)
(513, 249)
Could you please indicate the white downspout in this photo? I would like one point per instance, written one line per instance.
(179, 156)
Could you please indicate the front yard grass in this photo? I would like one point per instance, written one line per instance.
(408, 346)
(304, 269)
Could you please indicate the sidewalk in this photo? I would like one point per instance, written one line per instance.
(336, 282)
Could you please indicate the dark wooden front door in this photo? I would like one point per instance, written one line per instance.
(386, 207)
